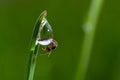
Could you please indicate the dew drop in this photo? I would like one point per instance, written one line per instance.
(45, 42)
(45, 30)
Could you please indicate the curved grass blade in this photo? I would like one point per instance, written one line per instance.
(40, 29)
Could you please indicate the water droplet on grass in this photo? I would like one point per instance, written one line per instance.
(45, 29)
(45, 42)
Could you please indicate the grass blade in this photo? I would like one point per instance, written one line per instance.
(89, 28)
(35, 47)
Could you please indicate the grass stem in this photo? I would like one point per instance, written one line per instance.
(89, 27)
(34, 47)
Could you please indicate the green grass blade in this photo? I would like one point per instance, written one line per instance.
(34, 47)
(89, 28)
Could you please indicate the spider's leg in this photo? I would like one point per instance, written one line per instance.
(44, 48)
(44, 54)
(49, 53)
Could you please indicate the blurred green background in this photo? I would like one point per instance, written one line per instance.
(17, 20)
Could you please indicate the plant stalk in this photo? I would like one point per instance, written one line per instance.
(89, 28)
(32, 63)
(34, 47)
